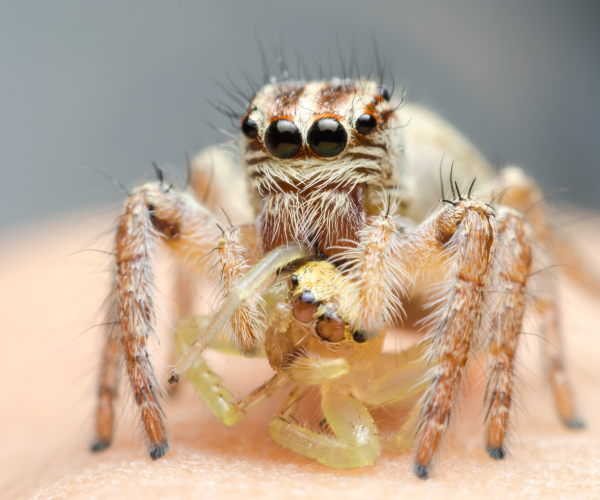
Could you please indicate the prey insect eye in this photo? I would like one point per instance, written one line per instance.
(327, 137)
(249, 128)
(292, 282)
(283, 139)
(366, 124)
(359, 336)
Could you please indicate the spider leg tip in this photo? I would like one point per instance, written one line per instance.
(496, 452)
(422, 471)
(159, 451)
(99, 445)
(174, 378)
(575, 423)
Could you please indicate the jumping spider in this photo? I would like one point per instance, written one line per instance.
(331, 170)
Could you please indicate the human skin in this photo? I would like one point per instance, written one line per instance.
(48, 368)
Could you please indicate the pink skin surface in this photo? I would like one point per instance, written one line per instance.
(48, 367)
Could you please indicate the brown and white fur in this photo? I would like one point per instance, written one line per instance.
(368, 210)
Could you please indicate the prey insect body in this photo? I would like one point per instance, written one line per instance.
(327, 170)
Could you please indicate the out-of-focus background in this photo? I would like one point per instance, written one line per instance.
(114, 85)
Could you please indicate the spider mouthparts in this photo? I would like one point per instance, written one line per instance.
(174, 378)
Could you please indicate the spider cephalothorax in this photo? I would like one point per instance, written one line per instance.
(317, 155)
(325, 170)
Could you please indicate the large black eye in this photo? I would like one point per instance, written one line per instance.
(283, 139)
(327, 137)
(249, 128)
(366, 124)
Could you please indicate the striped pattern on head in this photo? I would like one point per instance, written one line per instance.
(306, 112)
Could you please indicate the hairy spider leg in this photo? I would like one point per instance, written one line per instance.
(462, 239)
(217, 180)
(373, 280)
(153, 211)
(555, 365)
(508, 298)
(519, 191)
(107, 386)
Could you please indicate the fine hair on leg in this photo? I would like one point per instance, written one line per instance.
(507, 302)
(151, 213)
(461, 241)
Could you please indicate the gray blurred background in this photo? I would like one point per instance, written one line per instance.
(115, 85)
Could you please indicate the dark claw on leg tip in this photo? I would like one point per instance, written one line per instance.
(496, 453)
(174, 378)
(422, 471)
(575, 423)
(159, 451)
(100, 445)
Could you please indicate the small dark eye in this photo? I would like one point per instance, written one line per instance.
(283, 139)
(359, 336)
(249, 128)
(327, 137)
(383, 92)
(292, 282)
(366, 124)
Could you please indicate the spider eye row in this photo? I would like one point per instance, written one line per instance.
(326, 137)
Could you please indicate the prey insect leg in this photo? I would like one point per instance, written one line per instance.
(241, 290)
(393, 378)
(209, 386)
(355, 442)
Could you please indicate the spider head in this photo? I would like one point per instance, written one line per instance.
(317, 134)
(311, 152)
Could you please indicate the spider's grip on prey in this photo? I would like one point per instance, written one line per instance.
(335, 185)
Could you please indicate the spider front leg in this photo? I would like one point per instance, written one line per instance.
(373, 277)
(217, 178)
(152, 211)
(462, 238)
